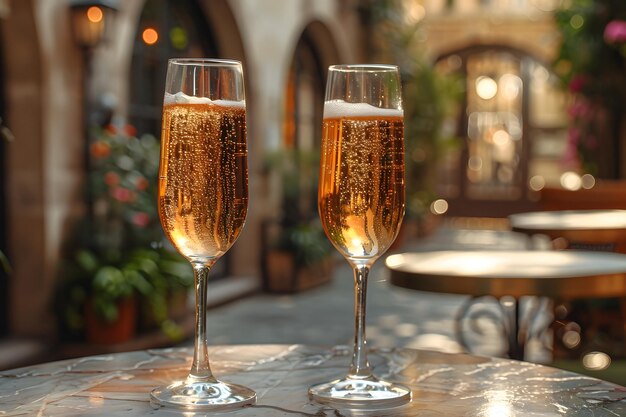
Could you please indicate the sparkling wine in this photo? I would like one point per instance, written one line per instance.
(361, 191)
(203, 177)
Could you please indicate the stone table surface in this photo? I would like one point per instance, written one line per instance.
(442, 384)
(576, 229)
(544, 273)
(569, 220)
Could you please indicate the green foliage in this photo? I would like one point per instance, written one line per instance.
(123, 186)
(584, 49)
(306, 241)
(430, 98)
(301, 232)
(151, 274)
(118, 253)
(591, 63)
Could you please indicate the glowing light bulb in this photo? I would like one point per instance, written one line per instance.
(150, 36)
(94, 14)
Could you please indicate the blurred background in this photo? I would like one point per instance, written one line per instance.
(510, 106)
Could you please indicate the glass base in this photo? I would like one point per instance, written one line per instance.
(199, 395)
(361, 393)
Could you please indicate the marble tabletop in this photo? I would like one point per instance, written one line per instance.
(569, 220)
(576, 229)
(442, 384)
(544, 273)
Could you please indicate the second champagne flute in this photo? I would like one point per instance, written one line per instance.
(361, 204)
(203, 201)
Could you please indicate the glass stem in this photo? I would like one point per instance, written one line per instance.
(200, 369)
(360, 368)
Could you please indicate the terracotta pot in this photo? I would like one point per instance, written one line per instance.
(284, 276)
(102, 332)
(280, 272)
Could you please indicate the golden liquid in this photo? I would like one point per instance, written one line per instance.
(361, 189)
(203, 178)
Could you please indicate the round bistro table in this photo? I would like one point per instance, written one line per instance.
(510, 275)
(442, 384)
(576, 229)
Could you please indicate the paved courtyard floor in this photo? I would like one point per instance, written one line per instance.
(395, 316)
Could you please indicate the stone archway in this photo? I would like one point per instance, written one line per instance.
(536, 38)
(500, 133)
(324, 42)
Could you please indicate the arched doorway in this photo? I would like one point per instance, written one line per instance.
(302, 125)
(295, 231)
(512, 128)
(302, 128)
(303, 106)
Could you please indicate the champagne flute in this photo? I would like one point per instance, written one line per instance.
(361, 203)
(203, 201)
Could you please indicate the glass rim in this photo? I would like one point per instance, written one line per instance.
(363, 68)
(207, 62)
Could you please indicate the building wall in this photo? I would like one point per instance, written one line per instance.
(25, 159)
(536, 37)
(45, 92)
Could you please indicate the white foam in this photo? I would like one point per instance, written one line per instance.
(182, 98)
(339, 108)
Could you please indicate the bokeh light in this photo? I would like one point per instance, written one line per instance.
(571, 339)
(596, 361)
(537, 183)
(571, 181)
(511, 86)
(413, 12)
(501, 137)
(150, 36)
(439, 206)
(577, 21)
(486, 87)
(588, 181)
(94, 14)
(179, 38)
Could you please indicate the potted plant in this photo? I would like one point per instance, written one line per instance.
(297, 255)
(300, 258)
(118, 274)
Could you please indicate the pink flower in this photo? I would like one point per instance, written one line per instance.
(141, 219)
(581, 109)
(573, 136)
(615, 32)
(122, 194)
(577, 83)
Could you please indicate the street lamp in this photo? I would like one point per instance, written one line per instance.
(90, 24)
(91, 21)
